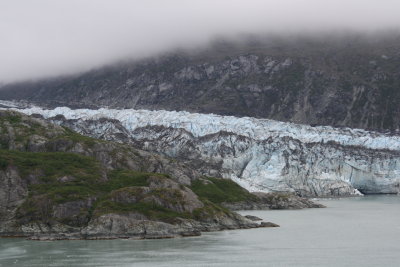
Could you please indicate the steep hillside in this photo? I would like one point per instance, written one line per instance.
(346, 80)
(55, 183)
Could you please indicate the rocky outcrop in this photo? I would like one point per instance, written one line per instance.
(73, 219)
(135, 226)
(260, 155)
(130, 226)
(268, 224)
(274, 201)
(173, 196)
(253, 218)
(161, 192)
(57, 184)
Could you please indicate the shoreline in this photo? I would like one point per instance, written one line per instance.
(78, 235)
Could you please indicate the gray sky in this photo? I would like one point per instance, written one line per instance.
(49, 37)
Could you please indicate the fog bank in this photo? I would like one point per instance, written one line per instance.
(45, 37)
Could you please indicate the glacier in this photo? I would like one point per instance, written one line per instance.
(259, 154)
(204, 124)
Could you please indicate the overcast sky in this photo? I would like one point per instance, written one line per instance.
(41, 38)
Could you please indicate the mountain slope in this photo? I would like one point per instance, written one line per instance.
(347, 80)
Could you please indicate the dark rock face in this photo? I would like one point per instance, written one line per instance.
(75, 212)
(174, 196)
(13, 191)
(345, 81)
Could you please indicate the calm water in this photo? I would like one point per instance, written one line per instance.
(350, 232)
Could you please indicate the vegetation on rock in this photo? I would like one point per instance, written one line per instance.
(219, 190)
(62, 178)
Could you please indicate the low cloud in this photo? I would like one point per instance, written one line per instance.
(45, 37)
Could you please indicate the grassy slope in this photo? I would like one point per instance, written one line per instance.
(219, 190)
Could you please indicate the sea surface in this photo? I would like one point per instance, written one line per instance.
(362, 231)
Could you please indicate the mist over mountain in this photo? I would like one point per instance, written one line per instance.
(46, 38)
(339, 79)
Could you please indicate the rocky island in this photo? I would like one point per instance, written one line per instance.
(58, 184)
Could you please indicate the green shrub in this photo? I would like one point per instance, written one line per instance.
(219, 190)
(124, 178)
(150, 210)
(3, 163)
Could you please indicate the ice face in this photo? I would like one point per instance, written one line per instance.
(259, 154)
(205, 124)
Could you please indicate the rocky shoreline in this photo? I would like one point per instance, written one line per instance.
(274, 201)
(135, 226)
(126, 228)
(141, 230)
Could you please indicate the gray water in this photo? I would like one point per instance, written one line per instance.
(350, 232)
